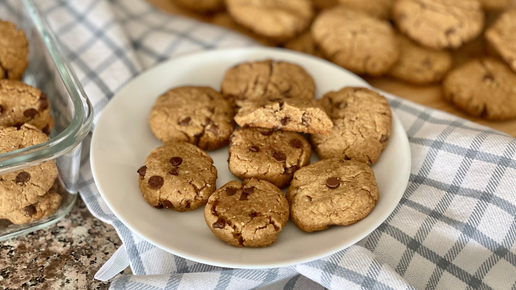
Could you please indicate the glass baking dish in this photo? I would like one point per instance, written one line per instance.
(49, 71)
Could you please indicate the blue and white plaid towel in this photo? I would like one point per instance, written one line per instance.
(454, 228)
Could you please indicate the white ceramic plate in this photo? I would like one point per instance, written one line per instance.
(122, 140)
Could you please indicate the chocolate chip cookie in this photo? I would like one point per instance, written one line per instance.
(197, 115)
(482, 88)
(250, 214)
(177, 176)
(276, 19)
(502, 37)
(13, 51)
(286, 114)
(267, 154)
(376, 8)
(361, 125)
(201, 6)
(248, 83)
(24, 187)
(439, 24)
(420, 65)
(44, 206)
(21, 103)
(331, 192)
(356, 41)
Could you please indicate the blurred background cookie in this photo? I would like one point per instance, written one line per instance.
(502, 37)
(13, 51)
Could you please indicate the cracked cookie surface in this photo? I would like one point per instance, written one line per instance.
(247, 214)
(482, 88)
(13, 51)
(197, 115)
(21, 103)
(361, 125)
(376, 8)
(24, 187)
(177, 176)
(439, 24)
(202, 6)
(331, 192)
(276, 19)
(420, 65)
(296, 115)
(356, 41)
(266, 154)
(252, 82)
(502, 37)
(44, 206)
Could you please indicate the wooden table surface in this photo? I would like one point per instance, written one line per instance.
(426, 95)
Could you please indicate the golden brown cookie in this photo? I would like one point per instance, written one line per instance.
(201, 6)
(331, 192)
(356, 41)
(420, 65)
(197, 115)
(13, 51)
(21, 103)
(502, 37)
(268, 155)
(295, 115)
(361, 125)
(376, 8)
(276, 19)
(304, 43)
(177, 176)
(44, 206)
(251, 214)
(439, 24)
(24, 187)
(482, 88)
(248, 83)
(494, 4)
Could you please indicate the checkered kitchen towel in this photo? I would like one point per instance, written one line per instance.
(454, 228)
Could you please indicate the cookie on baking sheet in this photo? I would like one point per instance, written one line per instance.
(44, 206)
(361, 125)
(197, 115)
(296, 115)
(482, 88)
(21, 103)
(276, 19)
(304, 43)
(494, 4)
(356, 41)
(201, 6)
(376, 8)
(13, 51)
(247, 214)
(267, 154)
(331, 192)
(252, 82)
(24, 187)
(420, 65)
(177, 176)
(439, 24)
(502, 37)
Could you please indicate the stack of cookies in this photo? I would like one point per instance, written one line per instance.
(28, 194)
(410, 40)
(273, 103)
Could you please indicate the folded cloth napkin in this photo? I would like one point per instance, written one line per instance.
(454, 228)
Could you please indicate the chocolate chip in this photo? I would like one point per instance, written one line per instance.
(187, 204)
(249, 190)
(156, 182)
(285, 120)
(142, 171)
(208, 121)
(243, 196)
(43, 104)
(219, 224)
(488, 77)
(174, 171)
(176, 161)
(185, 121)
(231, 191)
(305, 120)
(254, 149)
(254, 214)
(1, 109)
(159, 206)
(43, 96)
(22, 177)
(332, 182)
(168, 204)
(296, 143)
(30, 210)
(214, 129)
(280, 156)
(384, 138)
(267, 133)
(18, 125)
(30, 113)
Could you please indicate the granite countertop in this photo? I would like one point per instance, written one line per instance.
(65, 255)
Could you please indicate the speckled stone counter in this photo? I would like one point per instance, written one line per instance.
(63, 256)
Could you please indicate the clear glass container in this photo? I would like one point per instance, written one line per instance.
(71, 110)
